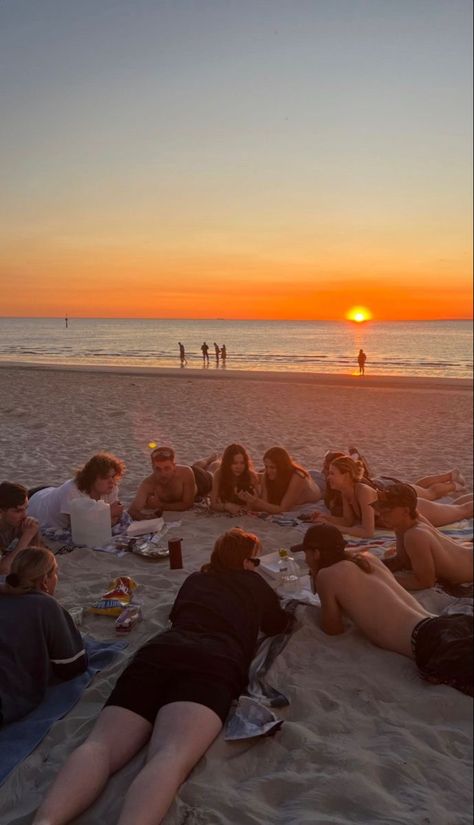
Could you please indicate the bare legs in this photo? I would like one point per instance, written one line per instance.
(211, 463)
(439, 514)
(115, 739)
(182, 733)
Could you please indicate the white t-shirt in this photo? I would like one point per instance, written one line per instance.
(51, 506)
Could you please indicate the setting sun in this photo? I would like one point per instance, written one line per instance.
(359, 314)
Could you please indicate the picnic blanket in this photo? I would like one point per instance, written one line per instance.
(19, 739)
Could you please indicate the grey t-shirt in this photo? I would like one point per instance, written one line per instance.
(39, 643)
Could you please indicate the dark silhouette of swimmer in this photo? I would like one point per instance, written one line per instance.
(217, 351)
(361, 359)
(223, 353)
(205, 353)
(182, 354)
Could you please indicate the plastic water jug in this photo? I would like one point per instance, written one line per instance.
(90, 522)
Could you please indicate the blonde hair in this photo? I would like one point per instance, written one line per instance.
(347, 465)
(28, 568)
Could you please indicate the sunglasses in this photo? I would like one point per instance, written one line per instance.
(255, 561)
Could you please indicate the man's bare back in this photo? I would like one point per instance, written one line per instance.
(434, 556)
(374, 601)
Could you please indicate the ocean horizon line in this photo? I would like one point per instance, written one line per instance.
(239, 320)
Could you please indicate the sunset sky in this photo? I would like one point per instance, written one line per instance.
(235, 158)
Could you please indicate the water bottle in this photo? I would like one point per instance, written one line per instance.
(288, 571)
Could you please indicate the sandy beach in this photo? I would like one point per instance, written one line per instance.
(364, 739)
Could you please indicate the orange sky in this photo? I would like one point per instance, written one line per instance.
(261, 161)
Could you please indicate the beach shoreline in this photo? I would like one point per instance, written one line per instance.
(317, 378)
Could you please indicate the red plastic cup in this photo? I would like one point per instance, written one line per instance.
(176, 557)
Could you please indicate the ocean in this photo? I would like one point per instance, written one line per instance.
(408, 348)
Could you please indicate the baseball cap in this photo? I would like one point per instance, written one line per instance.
(397, 495)
(322, 537)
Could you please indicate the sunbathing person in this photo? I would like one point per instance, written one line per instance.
(362, 587)
(284, 485)
(177, 691)
(234, 475)
(15, 525)
(424, 554)
(170, 486)
(98, 479)
(38, 639)
(346, 476)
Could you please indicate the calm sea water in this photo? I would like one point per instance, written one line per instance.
(430, 348)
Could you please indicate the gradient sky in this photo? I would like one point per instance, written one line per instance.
(235, 158)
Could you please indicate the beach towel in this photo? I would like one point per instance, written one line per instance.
(19, 739)
(251, 716)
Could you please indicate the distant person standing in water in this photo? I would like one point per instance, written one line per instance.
(205, 353)
(361, 359)
(66, 321)
(182, 354)
(217, 351)
(223, 353)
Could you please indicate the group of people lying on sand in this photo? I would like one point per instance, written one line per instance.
(178, 689)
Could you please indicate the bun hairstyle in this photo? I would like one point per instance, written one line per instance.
(28, 568)
(230, 551)
(347, 465)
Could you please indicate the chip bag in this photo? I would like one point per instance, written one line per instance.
(116, 599)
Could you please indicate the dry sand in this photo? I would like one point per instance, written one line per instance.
(364, 739)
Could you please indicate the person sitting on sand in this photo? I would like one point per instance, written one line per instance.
(97, 479)
(170, 486)
(15, 525)
(284, 485)
(234, 475)
(361, 586)
(177, 691)
(359, 519)
(424, 554)
(38, 639)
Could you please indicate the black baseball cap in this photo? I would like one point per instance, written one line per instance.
(397, 495)
(322, 537)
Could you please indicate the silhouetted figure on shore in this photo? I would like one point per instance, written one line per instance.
(361, 359)
(223, 353)
(66, 321)
(205, 353)
(217, 351)
(182, 354)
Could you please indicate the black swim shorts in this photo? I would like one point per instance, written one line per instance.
(149, 683)
(203, 479)
(443, 650)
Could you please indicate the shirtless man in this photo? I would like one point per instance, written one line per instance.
(171, 486)
(362, 587)
(424, 554)
(15, 524)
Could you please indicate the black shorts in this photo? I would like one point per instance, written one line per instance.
(443, 648)
(203, 479)
(147, 685)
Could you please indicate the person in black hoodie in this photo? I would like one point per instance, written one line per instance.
(177, 691)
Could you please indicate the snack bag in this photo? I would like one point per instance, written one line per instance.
(128, 618)
(116, 599)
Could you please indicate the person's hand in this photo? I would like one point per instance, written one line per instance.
(246, 496)
(116, 511)
(318, 518)
(29, 527)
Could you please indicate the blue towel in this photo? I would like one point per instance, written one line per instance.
(19, 739)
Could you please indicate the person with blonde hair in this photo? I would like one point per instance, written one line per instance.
(38, 639)
(97, 479)
(348, 478)
(177, 691)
